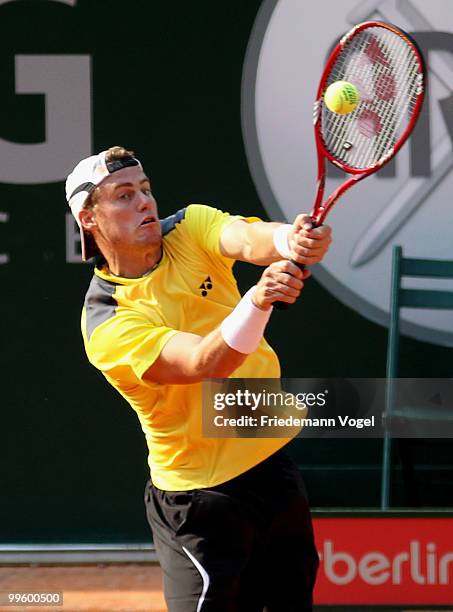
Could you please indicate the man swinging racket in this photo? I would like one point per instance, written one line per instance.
(229, 516)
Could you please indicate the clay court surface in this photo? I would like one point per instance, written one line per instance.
(109, 588)
(95, 588)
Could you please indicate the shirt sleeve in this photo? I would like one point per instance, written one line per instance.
(125, 346)
(206, 225)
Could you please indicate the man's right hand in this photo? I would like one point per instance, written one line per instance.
(282, 281)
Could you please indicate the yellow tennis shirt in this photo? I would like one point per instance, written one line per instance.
(126, 323)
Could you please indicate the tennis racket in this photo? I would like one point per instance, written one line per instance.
(387, 69)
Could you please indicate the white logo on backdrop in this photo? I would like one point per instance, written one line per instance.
(408, 203)
(65, 82)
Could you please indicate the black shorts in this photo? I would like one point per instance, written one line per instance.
(243, 546)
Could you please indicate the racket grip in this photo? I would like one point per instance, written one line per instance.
(285, 305)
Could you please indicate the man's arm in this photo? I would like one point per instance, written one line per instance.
(254, 242)
(188, 358)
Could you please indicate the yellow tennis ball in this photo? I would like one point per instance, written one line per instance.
(341, 97)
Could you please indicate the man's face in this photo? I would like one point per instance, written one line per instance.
(125, 212)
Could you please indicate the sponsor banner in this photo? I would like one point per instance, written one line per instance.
(384, 561)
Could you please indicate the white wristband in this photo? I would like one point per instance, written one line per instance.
(281, 240)
(243, 328)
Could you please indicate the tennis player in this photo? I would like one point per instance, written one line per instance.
(229, 516)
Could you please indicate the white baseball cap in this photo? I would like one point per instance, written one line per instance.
(82, 181)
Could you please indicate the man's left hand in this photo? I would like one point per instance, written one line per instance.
(308, 246)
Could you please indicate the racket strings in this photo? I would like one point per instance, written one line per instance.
(404, 98)
(364, 68)
(374, 78)
(385, 70)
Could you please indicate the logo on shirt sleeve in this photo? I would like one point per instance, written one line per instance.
(206, 286)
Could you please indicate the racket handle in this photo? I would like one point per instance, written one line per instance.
(285, 305)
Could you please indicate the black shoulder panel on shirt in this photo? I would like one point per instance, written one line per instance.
(170, 222)
(100, 304)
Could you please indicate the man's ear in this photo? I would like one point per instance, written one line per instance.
(88, 219)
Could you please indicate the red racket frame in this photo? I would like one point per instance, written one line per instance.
(320, 211)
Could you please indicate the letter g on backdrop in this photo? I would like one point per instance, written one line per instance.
(65, 83)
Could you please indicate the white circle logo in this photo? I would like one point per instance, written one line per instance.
(408, 203)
